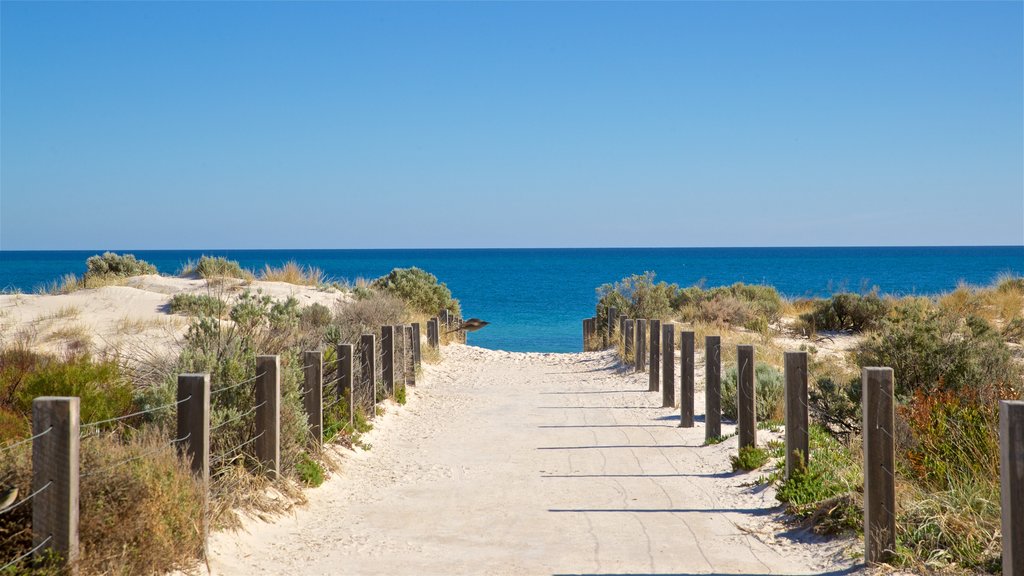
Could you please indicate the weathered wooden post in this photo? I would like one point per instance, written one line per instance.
(368, 371)
(746, 397)
(387, 358)
(1011, 472)
(344, 384)
(416, 351)
(879, 465)
(686, 379)
(193, 434)
(399, 356)
(194, 422)
(641, 345)
(613, 317)
(668, 365)
(622, 330)
(268, 413)
(410, 357)
(55, 453)
(712, 387)
(797, 419)
(586, 334)
(630, 338)
(312, 393)
(433, 337)
(654, 376)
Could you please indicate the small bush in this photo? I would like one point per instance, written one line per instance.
(420, 289)
(846, 312)
(367, 316)
(210, 267)
(198, 305)
(315, 316)
(636, 296)
(121, 265)
(749, 458)
(835, 402)
(294, 273)
(104, 393)
(738, 304)
(310, 471)
(768, 395)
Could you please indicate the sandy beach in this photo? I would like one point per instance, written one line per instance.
(529, 463)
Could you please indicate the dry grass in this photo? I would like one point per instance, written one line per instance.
(294, 273)
(134, 326)
(62, 313)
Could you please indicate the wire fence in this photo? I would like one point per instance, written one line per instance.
(37, 548)
(12, 507)
(237, 385)
(134, 414)
(14, 445)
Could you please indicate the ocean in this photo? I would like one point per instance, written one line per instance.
(535, 299)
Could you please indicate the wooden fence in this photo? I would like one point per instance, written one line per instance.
(57, 430)
(878, 404)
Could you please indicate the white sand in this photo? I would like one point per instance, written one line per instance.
(509, 463)
(130, 320)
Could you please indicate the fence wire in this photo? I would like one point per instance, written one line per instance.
(25, 441)
(239, 417)
(139, 413)
(227, 454)
(242, 383)
(26, 554)
(146, 454)
(26, 498)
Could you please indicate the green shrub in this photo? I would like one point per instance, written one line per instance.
(310, 471)
(198, 305)
(217, 267)
(846, 312)
(1014, 331)
(16, 364)
(768, 397)
(419, 289)
(749, 458)
(636, 296)
(104, 393)
(315, 316)
(738, 304)
(931, 350)
(121, 265)
(400, 394)
(835, 403)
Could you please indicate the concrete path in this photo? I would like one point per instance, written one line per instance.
(508, 463)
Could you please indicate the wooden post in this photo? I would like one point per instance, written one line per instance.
(654, 377)
(268, 413)
(686, 379)
(668, 365)
(433, 338)
(345, 356)
(879, 465)
(613, 317)
(630, 337)
(312, 393)
(55, 450)
(387, 358)
(712, 387)
(368, 372)
(797, 419)
(641, 345)
(194, 422)
(622, 330)
(417, 357)
(746, 397)
(399, 356)
(410, 356)
(1011, 472)
(586, 334)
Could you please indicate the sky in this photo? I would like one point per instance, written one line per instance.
(178, 125)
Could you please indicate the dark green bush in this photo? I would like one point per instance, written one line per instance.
(768, 395)
(846, 312)
(836, 404)
(122, 265)
(198, 305)
(749, 458)
(419, 289)
(218, 267)
(309, 470)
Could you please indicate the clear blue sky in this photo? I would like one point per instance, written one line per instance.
(336, 125)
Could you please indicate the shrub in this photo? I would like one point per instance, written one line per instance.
(198, 305)
(310, 471)
(315, 316)
(104, 393)
(738, 304)
(121, 265)
(931, 350)
(846, 312)
(16, 364)
(768, 397)
(420, 289)
(749, 458)
(367, 316)
(294, 273)
(636, 296)
(217, 267)
(835, 402)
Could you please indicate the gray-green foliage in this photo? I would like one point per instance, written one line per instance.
(636, 296)
(851, 312)
(122, 265)
(217, 267)
(198, 305)
(419, 289)
(769, 392)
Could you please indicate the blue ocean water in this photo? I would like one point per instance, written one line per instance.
(535, 299)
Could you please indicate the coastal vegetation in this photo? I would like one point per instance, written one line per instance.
(142, 510)
(954, 357)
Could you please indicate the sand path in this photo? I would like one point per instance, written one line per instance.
(507, 463)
